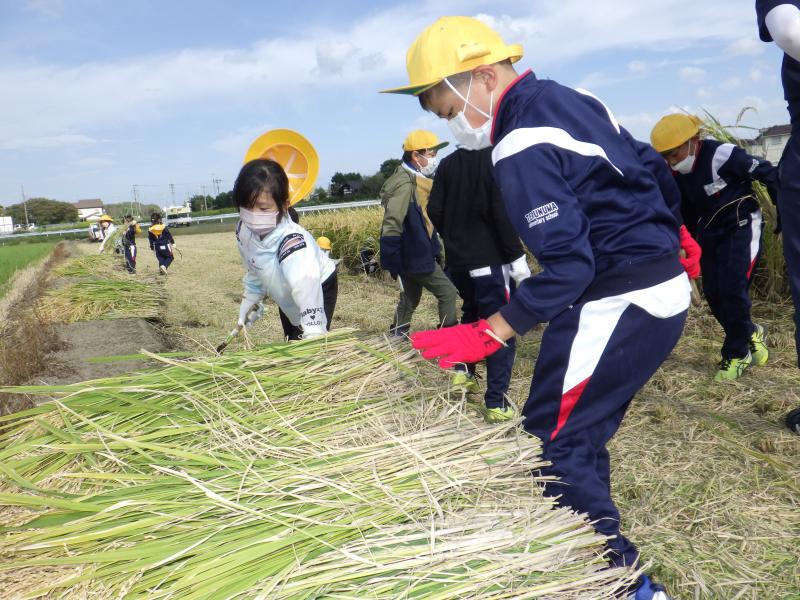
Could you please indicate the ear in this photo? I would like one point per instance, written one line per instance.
(487, 75)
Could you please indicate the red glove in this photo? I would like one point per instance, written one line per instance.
(458, 344)
(692, 261)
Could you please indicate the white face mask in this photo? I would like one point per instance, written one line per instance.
(685, 166)
(430, 169)
(472, 138)
(260, 223)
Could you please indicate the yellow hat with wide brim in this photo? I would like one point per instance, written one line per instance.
(422, 139)
(324, 243)
(674, 130)
(452, 45)
(108, 218)
(294, 153)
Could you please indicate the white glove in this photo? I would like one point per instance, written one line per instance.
(247, 318)
(519, 270)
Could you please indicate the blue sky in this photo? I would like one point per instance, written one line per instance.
(97, 96)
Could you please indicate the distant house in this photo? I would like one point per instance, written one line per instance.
(89, 210)
(769, 143)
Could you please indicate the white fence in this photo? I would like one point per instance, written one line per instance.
(208, 218)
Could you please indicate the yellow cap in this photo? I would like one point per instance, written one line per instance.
(108, 218)
(422, 139)
(294, 153)
(674, 130)
(324, 243)
(452, 45)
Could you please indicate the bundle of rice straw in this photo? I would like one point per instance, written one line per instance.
(339, 467)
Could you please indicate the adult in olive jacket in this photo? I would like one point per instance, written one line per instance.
(410, 248)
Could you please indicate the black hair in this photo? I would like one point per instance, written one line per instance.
(407, 154)
(155, 218)
(259, 176)
(457, 80)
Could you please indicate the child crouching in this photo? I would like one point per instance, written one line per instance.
(282, 259)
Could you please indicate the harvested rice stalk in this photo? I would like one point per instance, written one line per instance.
(98, 266)
(327, 468)
(104, 299)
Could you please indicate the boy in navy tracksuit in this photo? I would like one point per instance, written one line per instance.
(161, 243)
(779, 21)
(129, 243)
(485, 259)
(612, 288)
(715, 180)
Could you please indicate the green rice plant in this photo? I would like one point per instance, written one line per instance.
(769, 280)
(350, 231)
(102, 299)
(16, 257)
(335, 467)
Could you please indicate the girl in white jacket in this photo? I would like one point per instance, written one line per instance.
(282, 259)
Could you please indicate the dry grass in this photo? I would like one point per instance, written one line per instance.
(705, 475)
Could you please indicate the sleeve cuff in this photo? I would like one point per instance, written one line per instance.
(520, 319)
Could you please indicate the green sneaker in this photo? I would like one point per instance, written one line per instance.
(758, 346)
(732, 368)
(499, 415)
(466, 381)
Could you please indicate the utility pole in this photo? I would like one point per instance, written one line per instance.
(25, 205)
(216, 184)
(135, 199)
(205, 204)
(172, 192)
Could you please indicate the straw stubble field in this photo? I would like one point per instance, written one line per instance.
(706, 476)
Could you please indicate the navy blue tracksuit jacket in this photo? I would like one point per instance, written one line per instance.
(579, 193)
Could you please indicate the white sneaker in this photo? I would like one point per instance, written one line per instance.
(163, 269)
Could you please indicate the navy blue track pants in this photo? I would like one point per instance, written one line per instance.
(731, 248)
(484, 291)
(130, 258)
(594, 358)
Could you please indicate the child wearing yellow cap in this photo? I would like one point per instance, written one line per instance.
(612, 289)
(716, 185)
(410, 249)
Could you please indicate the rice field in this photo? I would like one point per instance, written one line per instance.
(19, 256)
(706, 477)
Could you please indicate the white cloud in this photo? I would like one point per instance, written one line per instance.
(237, 142)
(58, 140)
(705, 92)
(94, 162)
(755, 74)
(332, 55)
(749, 45)
(638, 66)
(40, 102)
(692, 74)
(731, 83)
(46, 8)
